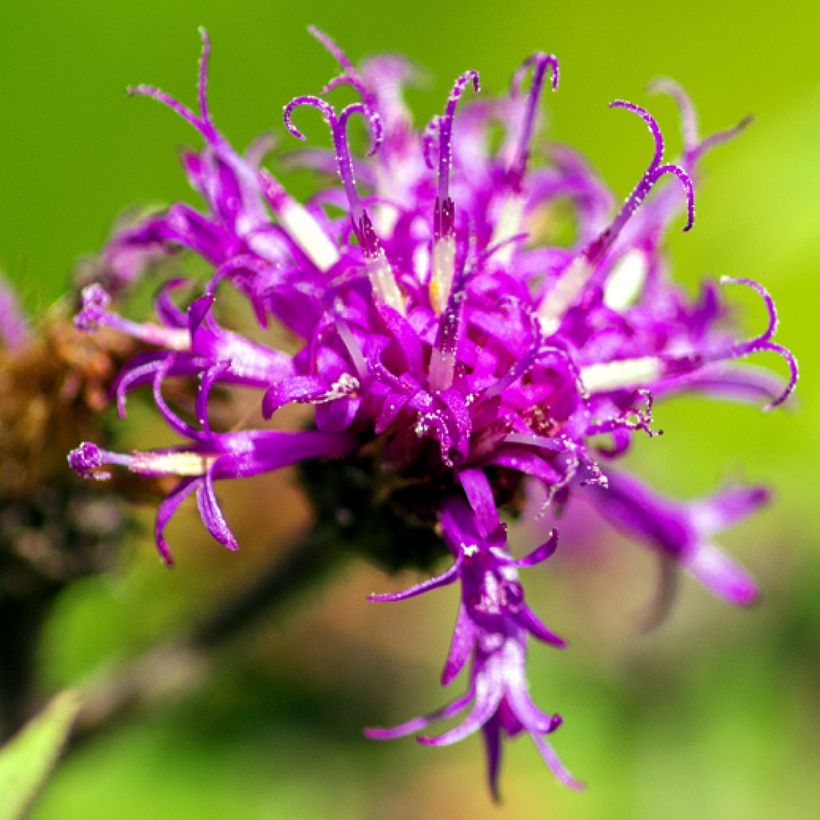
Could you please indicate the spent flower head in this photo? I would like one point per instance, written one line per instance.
(452, 352)
(54, 528)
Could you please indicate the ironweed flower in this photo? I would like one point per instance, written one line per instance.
(449, 347)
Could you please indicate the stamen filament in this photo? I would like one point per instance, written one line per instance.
(606, 376)
(377, 265)
(571, 285)
(300, 224)
(444, 246)
(511, 211)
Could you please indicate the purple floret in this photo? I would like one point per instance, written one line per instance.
(443, 341)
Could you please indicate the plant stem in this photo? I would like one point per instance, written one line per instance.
(178, 667)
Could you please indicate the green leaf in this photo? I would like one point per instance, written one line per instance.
(28, 758)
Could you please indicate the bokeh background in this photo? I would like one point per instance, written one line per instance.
(714, 715)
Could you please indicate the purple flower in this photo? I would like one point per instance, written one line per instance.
(445, 341)
(684, 532)
(492, 627)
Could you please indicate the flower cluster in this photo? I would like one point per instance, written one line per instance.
(445, 340)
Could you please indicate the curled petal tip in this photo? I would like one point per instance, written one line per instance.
(165, 557)
(651, 123)
(307, 100)
(373, 121)
(688, 189)
(539, 61)
(544, 61)
(763, 341)
(287, 116)
(791, 361)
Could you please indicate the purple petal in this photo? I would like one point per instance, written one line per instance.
(442, 580)
(419, 723)
(632, 507)
(480, 495)
(462, 643)
(727, 508)
(491, 732)
(485, 706)
(165, 512)
(528, 620)
(718, 573)
(554, 762)
(212, 515)
(539, 554)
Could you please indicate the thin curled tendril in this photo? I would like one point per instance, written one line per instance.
(539, 62)
(721, 137)
(373, 120)
(338, 130)
(429, 142)
(356, 83)
(350, 74)
(688, 116)
(444, 128)
(202, 81)
(327, 110)
(202, 121)
(653, 173)
(763, 341)
(693, 146)
(653, 126)
(333, 49)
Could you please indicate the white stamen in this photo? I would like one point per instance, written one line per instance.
(508, 224)
(421, 262)
(173, 338)
(625, 282)
(384, 283)
(444, 262)
(386, 214)
(309, 235)
(605, 376)
(182, 464)
(566, 290)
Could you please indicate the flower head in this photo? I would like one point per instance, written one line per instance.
(444, 340)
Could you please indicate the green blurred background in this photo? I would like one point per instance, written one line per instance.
(714, 715)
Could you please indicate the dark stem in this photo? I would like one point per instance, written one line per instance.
(176, 668)
(22, 620)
